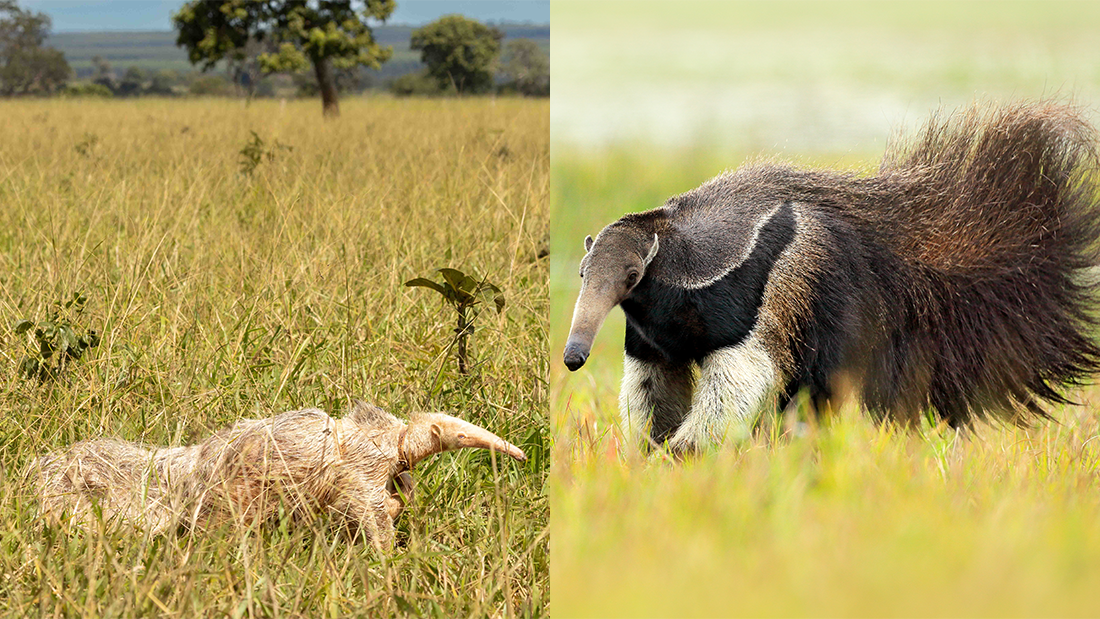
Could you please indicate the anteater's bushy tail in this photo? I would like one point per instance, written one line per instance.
(993, 217)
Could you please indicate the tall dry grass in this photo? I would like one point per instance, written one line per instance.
(220, 295)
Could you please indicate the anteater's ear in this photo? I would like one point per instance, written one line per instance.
(588, 243)
(652, 251)
(370, 415)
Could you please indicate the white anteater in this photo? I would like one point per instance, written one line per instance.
(356, 467)
(948, 282)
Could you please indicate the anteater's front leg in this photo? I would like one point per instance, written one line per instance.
(733, 385)
(656, 392)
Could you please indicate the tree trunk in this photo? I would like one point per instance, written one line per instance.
(327, 81)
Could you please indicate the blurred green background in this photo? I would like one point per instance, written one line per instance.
(652, 98)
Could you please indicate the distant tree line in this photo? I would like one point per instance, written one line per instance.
(334, 38)
(281, 48)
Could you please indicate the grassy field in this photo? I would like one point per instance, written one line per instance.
(222, 295)
(849, 520)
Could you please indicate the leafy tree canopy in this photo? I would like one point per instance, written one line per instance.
(321, 33)
(26, 67)
(528, 67)
(460, 52)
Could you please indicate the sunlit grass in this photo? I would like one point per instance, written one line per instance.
(220, 296)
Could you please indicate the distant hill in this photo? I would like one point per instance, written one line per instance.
(157, 50)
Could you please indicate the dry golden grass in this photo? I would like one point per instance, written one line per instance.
(220, 295)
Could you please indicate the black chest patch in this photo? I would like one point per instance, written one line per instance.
(669, 323)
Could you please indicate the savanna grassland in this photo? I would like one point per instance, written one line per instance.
(224, 285)
(845, 518)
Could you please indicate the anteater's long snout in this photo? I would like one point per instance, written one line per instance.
(576, 353)
(432, 433)
(593, 305)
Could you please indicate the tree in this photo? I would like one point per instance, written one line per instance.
(102, 68)
(133, 81)
(103, 74)
(162, 83)
(26, 67)
(215, 85)
(244, 68)
(460, 53)
(328, 34)
(346, 80)
(418, 83)
(527, 67)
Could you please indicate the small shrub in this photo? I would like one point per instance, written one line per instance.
(86, 89)
(86, 145)
(415, 84)
(254, 152)
(215, 85)
(464, 293)
(56, 341)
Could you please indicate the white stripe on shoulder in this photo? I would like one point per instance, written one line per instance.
(696, 284)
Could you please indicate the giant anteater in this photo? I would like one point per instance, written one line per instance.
(952, 282)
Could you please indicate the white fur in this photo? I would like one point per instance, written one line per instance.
(635, 404)
(733, 383)
(659, 407)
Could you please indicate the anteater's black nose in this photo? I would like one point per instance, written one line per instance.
(575, 356)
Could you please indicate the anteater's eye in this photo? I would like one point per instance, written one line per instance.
(631, 279)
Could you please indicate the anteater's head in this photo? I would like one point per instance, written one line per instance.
(381, 451)
(613, 265)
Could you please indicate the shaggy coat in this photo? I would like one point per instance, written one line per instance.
(356, 468)
(951, 282)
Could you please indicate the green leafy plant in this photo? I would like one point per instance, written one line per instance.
(56, 341)
(85, 146)
(464, 293)
(255, 152)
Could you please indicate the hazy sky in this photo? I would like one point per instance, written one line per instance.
(82, 15)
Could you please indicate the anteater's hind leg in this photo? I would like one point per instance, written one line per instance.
(829, 396)
(733, 384)
(794, 410)
(655, 393)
